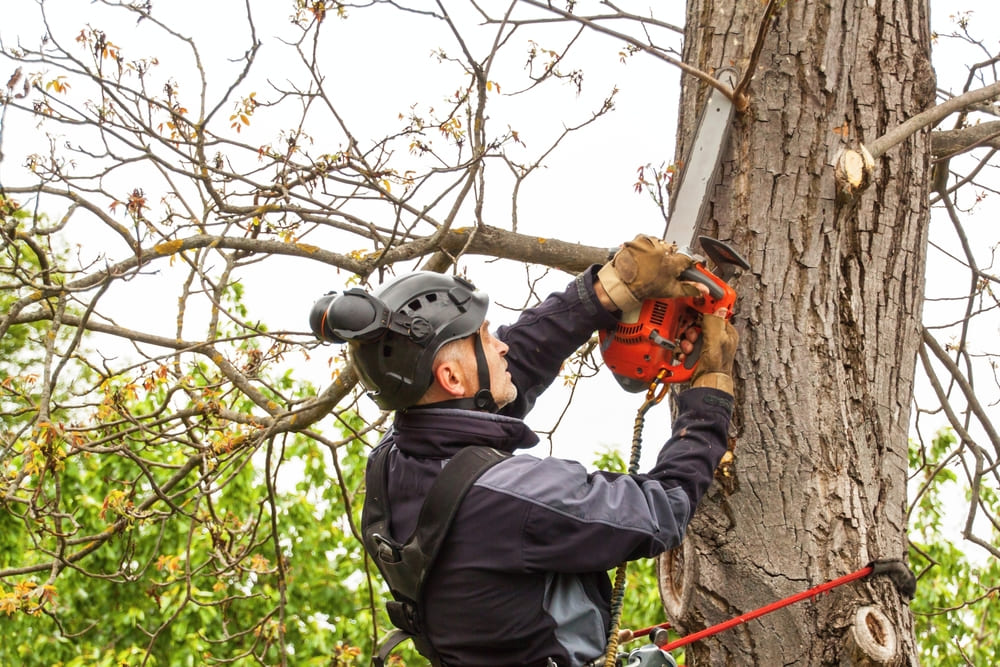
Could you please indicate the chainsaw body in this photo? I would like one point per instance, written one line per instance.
(645, 347)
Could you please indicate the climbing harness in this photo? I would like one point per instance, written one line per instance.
(405, 566)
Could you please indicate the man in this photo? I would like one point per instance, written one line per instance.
(520, 578)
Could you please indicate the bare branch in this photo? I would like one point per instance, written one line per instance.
(948, 143)
(931, 117)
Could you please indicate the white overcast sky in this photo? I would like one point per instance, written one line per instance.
(585, 192)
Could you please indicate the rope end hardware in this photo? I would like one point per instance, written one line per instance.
(652, 396)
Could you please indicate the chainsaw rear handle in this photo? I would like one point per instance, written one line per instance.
(709, 304)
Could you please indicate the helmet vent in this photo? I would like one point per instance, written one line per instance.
(415, 304)
(432, 297)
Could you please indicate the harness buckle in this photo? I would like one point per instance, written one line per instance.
(386, 550)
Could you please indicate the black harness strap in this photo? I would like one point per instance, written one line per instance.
(405, 566)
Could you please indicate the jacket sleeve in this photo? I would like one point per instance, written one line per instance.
(572, 521)
(544, 336)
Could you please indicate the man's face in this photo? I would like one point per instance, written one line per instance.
(501, 385)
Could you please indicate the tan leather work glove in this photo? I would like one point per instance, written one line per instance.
(718, 347)
(645, 268)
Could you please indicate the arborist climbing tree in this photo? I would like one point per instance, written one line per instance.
(169, 192)
(520, 577)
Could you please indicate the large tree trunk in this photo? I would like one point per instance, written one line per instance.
(829, 318)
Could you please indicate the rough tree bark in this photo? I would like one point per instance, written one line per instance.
(829, 318)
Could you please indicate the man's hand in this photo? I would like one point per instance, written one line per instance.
(718, 347)
(645, 268)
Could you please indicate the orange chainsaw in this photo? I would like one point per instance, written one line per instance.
(645, 346)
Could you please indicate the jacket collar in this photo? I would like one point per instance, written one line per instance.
(440, 432)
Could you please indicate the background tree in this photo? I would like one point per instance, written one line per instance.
(173, 201)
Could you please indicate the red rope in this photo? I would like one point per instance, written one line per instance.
(646, 631)
(739, 620)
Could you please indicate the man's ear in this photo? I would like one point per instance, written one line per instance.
(449, 377)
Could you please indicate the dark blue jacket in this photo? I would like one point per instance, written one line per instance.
(522, 575)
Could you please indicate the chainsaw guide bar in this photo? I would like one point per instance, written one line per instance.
(644, 349)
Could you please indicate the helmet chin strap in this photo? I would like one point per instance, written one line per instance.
(483, 399)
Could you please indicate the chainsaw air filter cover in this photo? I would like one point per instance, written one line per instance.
(637, 351)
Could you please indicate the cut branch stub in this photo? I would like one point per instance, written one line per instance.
(676, 576)
(873, 637)
(853, 171)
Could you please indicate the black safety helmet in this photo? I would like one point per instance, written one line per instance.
(396, 332)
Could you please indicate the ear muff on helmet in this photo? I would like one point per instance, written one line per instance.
(396, 332)
(358, 316)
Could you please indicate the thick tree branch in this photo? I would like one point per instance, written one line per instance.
(947, 143)
(931, 117)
